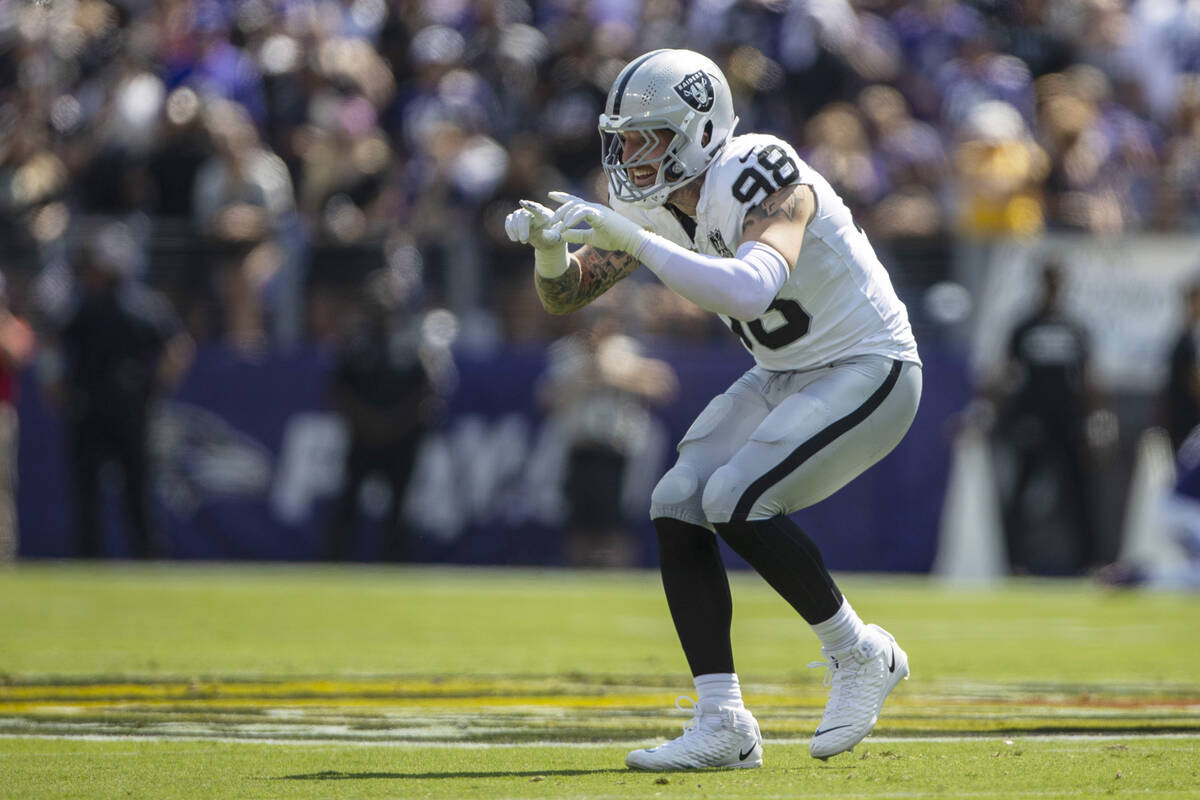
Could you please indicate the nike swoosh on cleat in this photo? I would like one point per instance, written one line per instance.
(892, 666)
(827, 730)
(745, 755)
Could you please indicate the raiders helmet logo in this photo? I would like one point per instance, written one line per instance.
(696, 90)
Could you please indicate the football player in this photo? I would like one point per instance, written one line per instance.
(742, 227)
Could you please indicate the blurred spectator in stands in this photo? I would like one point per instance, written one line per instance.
(930, 34)
(508, 51)
(178, 154)
(453, 177)
(447, 114)
(588, 55)
(351, 190)
(1026, 31)
(979, 73)
(405, 115)
(388, 393)
(1045, 397)
(913, 160)
(434, 52)
(120, 347)
(828, 51)
(33, 177)
(243, 202)
(837, 146)
(200, 51)
(344, 161)
(1180, 204)
(599, 388)
(108, 151)
(17, 343)
(1103, 155)
(998, 170)
(1132, 48)
(1180, 399)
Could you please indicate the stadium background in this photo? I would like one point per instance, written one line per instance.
(408, 130)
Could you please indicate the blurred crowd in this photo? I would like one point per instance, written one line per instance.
(284, 148)
(280, 168)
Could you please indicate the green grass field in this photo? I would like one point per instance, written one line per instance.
(215, 681)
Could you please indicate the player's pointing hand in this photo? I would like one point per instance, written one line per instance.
(607, 229)
(531, 224)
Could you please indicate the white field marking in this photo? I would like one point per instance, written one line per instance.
(425, 745)
(877, 795)
(52, 754)
(1089, 793)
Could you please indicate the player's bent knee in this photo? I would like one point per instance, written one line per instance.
(679, 485)
(677, 495)
(721, 494)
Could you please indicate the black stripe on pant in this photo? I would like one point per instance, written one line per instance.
(812, 446)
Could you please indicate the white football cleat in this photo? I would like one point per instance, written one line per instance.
(714, 737)
(861, 679)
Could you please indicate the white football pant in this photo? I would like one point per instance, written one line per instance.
(776, 442)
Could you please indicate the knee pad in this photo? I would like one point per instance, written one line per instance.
(725, 490)
(677, 495)
(721, 494)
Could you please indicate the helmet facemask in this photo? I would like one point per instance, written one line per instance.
(670, 169)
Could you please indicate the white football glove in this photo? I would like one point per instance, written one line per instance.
(607, 230)
(530, 224)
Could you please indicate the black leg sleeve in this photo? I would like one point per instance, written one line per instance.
(789, 561)
(697, 590)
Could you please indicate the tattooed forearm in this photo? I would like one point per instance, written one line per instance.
(591, 274)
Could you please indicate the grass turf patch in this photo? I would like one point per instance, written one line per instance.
(969, 768)
(68, 620)
(201, 681)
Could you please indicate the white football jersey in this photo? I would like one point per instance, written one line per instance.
(838, 301)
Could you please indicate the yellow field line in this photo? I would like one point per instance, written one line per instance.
(500, 693)
(479, 704)
(323, 687)
(557, 701)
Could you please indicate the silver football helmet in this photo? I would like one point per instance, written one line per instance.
(675, 94)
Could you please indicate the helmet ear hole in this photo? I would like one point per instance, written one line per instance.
(707, 136)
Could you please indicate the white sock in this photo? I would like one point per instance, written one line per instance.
(719, 689)
(841, 631)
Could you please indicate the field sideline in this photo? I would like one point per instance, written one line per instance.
(201, 681)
